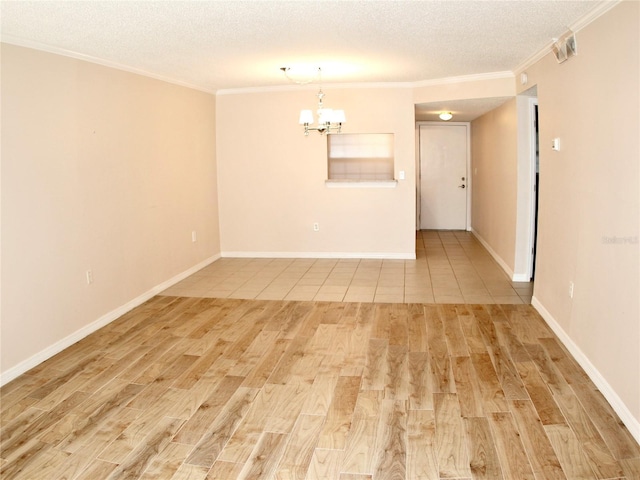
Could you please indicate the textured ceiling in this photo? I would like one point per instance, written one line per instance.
(462, 110)
(215, 45)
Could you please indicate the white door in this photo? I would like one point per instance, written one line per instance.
(443, 177)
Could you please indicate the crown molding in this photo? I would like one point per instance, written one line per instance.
(313, 86)
(361, 85)
(463, 79)
(599, 10)
(21, 42)
(585, 20)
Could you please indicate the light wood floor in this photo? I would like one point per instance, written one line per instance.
(194, 388)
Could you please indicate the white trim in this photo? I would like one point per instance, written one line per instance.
(361, 183)
(21, 42)
(498, 258)
(603, 7)
(360, 85)
(463, 79)
(520, 277)
(358, 255)
(632, 423)
(535, 58)
(57, 347)
(312, 87)
(533, 185)
(599, 10)
(468, 177)
(417, 174)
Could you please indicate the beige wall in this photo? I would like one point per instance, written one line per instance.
(272, 177)
(589, 202)
(494, 171)
(101, 170)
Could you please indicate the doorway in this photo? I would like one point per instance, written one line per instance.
(443, 173)
(535, 161)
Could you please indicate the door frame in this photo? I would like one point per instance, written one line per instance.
(467, 125)
(533, 144)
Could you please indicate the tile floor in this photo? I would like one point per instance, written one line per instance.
(450, 267)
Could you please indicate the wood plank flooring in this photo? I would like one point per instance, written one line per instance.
(203, 388)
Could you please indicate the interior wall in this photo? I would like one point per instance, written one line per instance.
(102, 170)
(499, 84)
(589, 210)
(272, 178)
(494, 170)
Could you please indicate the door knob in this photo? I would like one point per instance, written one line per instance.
(462, 186)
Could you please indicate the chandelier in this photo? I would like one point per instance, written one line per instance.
(329, 120)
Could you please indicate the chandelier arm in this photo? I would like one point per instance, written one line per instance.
(327, 121)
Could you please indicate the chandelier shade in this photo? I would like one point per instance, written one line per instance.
(306, 116)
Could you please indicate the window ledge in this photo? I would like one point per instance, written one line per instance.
(361, 183)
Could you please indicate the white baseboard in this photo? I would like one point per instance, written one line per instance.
(515, 277)
(50, 351)
(360, 255)
(632, 423)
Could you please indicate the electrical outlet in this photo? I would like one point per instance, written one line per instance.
(194, 237)
(89, 275)
(570, 289)
(316, 227)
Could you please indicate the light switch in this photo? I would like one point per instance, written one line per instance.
(401, 174)
(555, 144)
